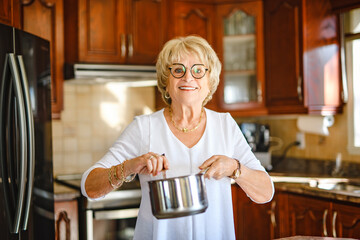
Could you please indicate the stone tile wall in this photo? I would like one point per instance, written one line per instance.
(93, 118)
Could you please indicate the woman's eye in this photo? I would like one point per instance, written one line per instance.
(178, 70)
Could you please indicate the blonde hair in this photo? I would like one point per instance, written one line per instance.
(176, 48)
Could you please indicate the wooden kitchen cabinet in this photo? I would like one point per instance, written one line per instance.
(66, 220)
(344, 5)
(319, 217)
(190, 18)
(45, 18)
(308, 216)
(120, 31)
(241, 88)
(249, 216)
(10, 13)
(345, 221)
(302, 57)
(240, 45)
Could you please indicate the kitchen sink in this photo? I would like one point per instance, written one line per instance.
(343, 185)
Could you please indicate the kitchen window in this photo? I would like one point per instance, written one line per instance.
(352, 50)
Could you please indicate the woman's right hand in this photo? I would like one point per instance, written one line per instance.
(149, 163)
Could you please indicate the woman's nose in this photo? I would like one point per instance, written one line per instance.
(188, 76)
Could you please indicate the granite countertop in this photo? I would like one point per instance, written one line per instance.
(305, 189)
(312, 238)
(64, 193)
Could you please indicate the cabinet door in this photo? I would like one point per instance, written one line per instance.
(249, 217)
(346, 221)
(10, 13)
(284, 66)
(66, 220)
(241, 50)
(102, 37)
(321, 59)
(192, 18)
(45, 18)
(308, 216)
(187, 18)
(145, 35)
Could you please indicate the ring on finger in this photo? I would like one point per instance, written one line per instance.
(151, 157)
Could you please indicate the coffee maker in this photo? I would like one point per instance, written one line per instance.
(258, 137)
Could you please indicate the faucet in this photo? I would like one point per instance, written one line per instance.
(337, 171)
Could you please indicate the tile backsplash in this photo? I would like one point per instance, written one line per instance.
(95, 115)
(93, 118)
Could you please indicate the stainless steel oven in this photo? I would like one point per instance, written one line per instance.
(110, 218)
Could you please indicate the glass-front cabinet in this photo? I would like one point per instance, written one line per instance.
(241, 51)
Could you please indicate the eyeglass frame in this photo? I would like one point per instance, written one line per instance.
(206, 69)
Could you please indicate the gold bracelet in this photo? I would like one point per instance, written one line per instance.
(110, 178)
(127, 179)
(115, 174)
(120, 181)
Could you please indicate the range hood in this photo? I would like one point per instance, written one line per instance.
(128, 75)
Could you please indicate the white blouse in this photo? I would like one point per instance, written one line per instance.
(150, 133)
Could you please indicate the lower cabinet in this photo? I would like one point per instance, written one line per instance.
(249, 217)
(290, 214)
(345, 221)
(318, 217)
(66, 220)
(308, 216)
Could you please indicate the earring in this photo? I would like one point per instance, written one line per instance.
(166, 95)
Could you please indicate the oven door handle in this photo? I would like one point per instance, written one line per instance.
(116, 214)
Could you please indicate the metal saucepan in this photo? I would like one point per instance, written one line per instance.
(178, 196)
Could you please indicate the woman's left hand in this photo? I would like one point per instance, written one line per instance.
(219, 166)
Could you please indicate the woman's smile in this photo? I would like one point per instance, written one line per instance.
(188, 88)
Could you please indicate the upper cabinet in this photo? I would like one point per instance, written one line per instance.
(344, 5)
(192, 18)
(187, 18)
(302, 58)
(45, 18)
(120, 31)
(240, 44)
(10, 13)
(235, 31)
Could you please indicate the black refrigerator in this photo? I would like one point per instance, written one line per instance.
(26, 170)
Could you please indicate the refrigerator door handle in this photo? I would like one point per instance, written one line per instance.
(3, 138)
(30, 142)
(22, 140)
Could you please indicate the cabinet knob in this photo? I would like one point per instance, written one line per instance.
(131, 46)
(272, 215)
(324, 223)
(334, 224)
(123, 45)
(63, 217)
(299, 88)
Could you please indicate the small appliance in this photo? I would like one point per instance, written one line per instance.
(258, 137)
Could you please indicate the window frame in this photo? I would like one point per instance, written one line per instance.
(349, 38)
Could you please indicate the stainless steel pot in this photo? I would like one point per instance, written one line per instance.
(178, 196)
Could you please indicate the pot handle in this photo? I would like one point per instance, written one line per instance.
(203, 171)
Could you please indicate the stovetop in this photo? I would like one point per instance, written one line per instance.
(74, 181)
(129, 194)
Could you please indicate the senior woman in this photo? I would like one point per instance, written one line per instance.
(183, 138)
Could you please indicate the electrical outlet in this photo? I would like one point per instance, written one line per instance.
(300, 137)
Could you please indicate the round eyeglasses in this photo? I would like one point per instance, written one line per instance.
(178, 70)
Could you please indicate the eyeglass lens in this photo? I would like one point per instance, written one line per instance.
(179, 70)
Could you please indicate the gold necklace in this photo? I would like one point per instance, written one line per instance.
(185, 130)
